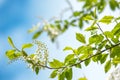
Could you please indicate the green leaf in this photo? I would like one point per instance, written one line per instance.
(107, 66)
(96, 39)
(67, 48)
(102, 44)
(37, 70)
(80, 37)
(83, 78)
(76, 13)
(68, 74)
(37, 34)
(103, 58)
(113, 4)
(11, 54)
(116, 60)
(91, 28)
(11, 42)
(106, 19)
(78, 66)
(116, 29)
(73, 61)
(80, 23)
(88, 17)
(28, 45)
(115, 39)
(115, 52)
(61, 76)
(53, 74)
(87, 62)
(69, 57)
(108, 34)
(55, 64)
(24, 53)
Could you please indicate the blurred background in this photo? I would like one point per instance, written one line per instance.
(16, 17)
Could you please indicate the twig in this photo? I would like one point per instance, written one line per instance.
(71, 7)
(97, 53)
(104, 34)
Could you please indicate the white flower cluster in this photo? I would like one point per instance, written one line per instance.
(53, 30)
(115, 75)
(41, 53)
(39, 58)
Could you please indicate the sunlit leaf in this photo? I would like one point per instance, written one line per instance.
(107, 66)
(37, 70)
(37, 34)
(61, 76)
(69, 57)
(103, 58)
(91, 28)
(116, 29)
(80, 37)
(11, 54)
(83, 78)
(67, 48)
(56, 64)
(115, 52)
(53, 74)
(68, 74)
(28, 45)
(88, 17)
(11, 42)
(106, 19)
(87, 62)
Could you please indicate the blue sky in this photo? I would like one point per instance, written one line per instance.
(16, 17)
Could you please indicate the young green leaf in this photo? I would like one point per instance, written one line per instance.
(88, 17)
(53, 74)
(96, 39)
(28, 45)
(11, 54)
(69, 57)
(67, 48)
(37, 34)
(116, 60)
(61, 76)
(11, 42)
(113, 4)
(37, 70)
(68, 74)
(87, 62)
(24, 53)
(91, 28)
(80, 37)
(116, 29)
(76, 13)
(78, 66)
(115, 52)
(106, 19)
(108, 34)
(107, 66)
(103, 58)
(56, 64)
(83, 78)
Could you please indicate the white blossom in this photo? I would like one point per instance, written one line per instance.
(115, 75)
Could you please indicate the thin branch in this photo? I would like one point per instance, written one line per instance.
(71, 7)
(100, 52)
(104, 34)
(97, 53)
